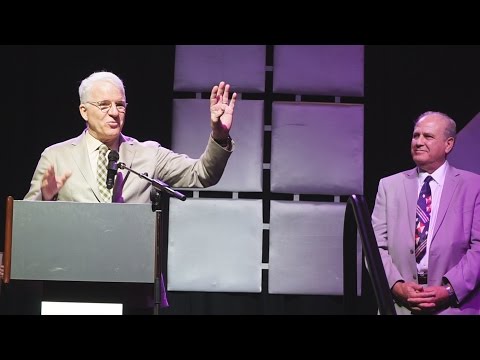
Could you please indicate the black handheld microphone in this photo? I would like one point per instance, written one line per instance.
(112, 168)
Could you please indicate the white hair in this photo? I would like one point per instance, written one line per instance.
(86, 84)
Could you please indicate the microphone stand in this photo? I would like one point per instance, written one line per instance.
(157, 187)
(158, 184)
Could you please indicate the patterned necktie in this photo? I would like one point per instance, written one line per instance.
(422, 223)
(102, 162)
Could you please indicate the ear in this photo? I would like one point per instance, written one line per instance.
(83, 112)
(450, 143)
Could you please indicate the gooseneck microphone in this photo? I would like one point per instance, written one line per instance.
(112, 168)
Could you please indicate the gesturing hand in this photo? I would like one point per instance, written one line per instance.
(221, 110)
(51, 184)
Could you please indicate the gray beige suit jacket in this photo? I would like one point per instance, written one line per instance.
(149, 157)
(455, 246)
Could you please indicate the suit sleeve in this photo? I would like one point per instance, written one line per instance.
(380, 227)
(465, 276)
(35, 193)
(179, 170)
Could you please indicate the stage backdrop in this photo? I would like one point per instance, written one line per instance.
(313, 124)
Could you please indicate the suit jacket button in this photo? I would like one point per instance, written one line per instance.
(411, 251)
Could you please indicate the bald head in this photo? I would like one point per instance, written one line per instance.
(433, 138)
(449, 124)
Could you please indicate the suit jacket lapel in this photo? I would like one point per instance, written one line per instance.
(451, 182)
(126, 151)
(80, 156)
(410, 183)
(126, 155)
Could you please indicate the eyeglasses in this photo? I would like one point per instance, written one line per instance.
(105, 105)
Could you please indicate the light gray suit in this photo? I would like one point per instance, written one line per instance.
(455, 246)
(149, 157)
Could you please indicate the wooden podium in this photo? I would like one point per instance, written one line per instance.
(78, 243)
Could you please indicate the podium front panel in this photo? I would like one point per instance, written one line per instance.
(71, 241)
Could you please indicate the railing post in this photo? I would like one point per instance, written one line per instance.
(349, 262)
(357, 210)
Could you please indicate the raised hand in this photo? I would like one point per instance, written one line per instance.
(221, 110)
(51, 184)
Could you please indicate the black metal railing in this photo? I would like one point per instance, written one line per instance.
(357, 217)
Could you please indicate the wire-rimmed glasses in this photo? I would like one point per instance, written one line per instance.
(105, 105)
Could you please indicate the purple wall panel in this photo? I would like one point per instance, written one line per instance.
(319, 69)
(317, 148)
(467, 147)
(191, 129)
(306, 248)
(199, 67)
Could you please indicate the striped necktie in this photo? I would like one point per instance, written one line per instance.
(422, 223)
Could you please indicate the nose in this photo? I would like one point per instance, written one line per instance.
(113, 109)
(419, 141)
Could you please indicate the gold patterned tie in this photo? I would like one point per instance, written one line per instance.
(102, 162)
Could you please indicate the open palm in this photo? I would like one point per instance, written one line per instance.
(221, 110)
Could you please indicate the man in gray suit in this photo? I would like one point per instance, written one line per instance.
(431, 249)
(67, 171)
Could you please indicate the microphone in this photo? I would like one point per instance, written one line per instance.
(112, 168)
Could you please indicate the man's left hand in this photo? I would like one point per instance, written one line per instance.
(221, 111)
